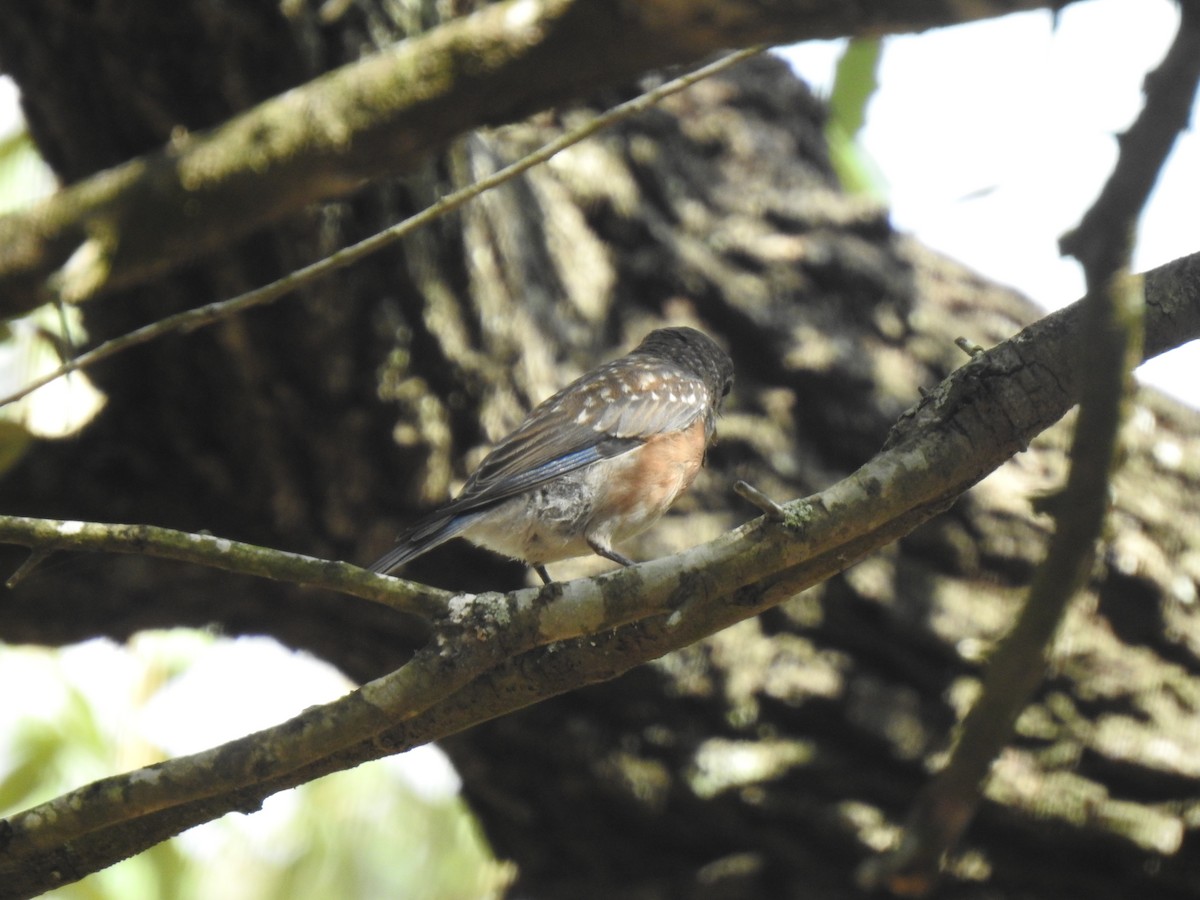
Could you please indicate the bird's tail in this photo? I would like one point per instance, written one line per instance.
(418, 540)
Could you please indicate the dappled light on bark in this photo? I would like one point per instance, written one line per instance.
(773, 757)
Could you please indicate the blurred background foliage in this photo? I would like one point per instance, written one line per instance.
(39, 342)
(390, 829)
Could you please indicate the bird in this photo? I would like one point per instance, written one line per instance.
(596, 463)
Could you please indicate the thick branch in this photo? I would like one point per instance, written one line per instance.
(210, 313)
(381, 116)
(983, 414)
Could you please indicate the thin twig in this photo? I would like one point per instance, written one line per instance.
(46, 536)
(36, 558)
(202, 316)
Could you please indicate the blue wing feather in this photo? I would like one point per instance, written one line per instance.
(455, 517)
(560, 436)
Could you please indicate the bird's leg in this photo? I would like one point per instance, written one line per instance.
(541, 570)
(608, 552)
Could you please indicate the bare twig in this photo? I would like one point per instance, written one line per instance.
(193, 319)
(381, 115)
(46, 536)
(35, 559)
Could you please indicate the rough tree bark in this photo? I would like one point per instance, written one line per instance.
(767, 761)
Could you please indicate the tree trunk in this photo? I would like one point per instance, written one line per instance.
(767, 761)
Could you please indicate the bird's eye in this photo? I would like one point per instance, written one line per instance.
(727, 388)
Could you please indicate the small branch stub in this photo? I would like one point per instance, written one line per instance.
(968, 346)
(772, 510)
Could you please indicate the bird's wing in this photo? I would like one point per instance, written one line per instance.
(606, 413)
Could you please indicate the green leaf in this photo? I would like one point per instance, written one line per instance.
(854, 84)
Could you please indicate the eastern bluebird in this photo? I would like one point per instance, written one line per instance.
(598, 462)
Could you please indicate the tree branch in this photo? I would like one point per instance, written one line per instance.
(1108, 348)
(496, 653)
(44, 536)
(211, 313)
(382, 115)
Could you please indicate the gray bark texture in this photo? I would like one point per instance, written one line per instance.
(767, 761)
